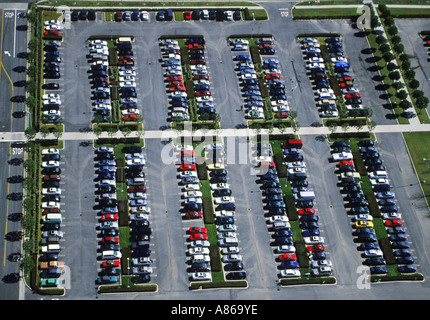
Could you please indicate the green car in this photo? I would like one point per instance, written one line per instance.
(49, 283)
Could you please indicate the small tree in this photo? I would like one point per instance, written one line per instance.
(392, 30)
(126, 131)
(414, 84)
(380, 39)
(384, 48)
(295, 126)
(345, 126)
(371, 125)
(332, 127)
(391, 66)
(396, 39)
(44, 131)
(98, 130)
(394, 75)
(398, 47)
(409, 74)
(388, 56)
(402, 94)
(389, 21)
(422, 102)
(404, 104)
(30, 133)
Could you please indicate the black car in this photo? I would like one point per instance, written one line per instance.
(141, 253)
(236, 276)
(218, 179)
(75, 15)
(237, 15)
(91, 15)
(224, 220)
(51, 86)
(200, 266)
(132, 149)
(221, 192)
(234, 266)
(83, 15)
(142, 278)
(218, 173)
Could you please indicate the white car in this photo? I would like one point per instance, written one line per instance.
(363, 217)
(201, 82)
(248, 76)
(199, 243)
(141, 261)
(144, 15)
(377, 181)
(50, 151)
(219, 186)
(127, 84)
(391, 215)
(130, 111)
(278, 218)
(200, 258)
(126, 73)
(191, 187)
(373, 253)
(239, 41)
(227, 227)
(329, 114)
(193, 200)
(296, 170)
(230, 250)
(289, 273)
(127, 78)
(224, 213)
(313, 240)
(96, 42)
(296, 164)
(50, 205)
(285, 249)
(350, 90)
(137, 195)
(224, 235)
(50, 164)
(51, 101)
(315, 65)
(139, 210)
(224, 199)
(315, 60)
(135, 161)
(201, 276)
(320, 263)
(107, 182)
(184, 174)
(193, 194)
(51, 96)
(232, 258)
(130, 156)
(342, 156)
(141, 270)
(338, 59)
(229, 15)
(198, 67)
(50, 22)
(139, 216)
(240, 47)
(198, 250)
(281, 108)
(51, 191)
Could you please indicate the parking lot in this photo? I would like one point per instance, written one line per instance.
(169, 238)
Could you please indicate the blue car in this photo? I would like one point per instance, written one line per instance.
(378, 270)
(385, 209)
(310, 232)
(309, 218)
(107, 169)
(276, 204)
(407, 269)
(283, 233)
(269, 176)
(274, 197)
(403, 253)
(405, 260)
(202, 87)
(385, 195)
(398, 237)
(318, 256)
(309, 225)
(289, 264)
(368, 246)
(107, 279)
(242, 57)
(283, 240)
(400, 245)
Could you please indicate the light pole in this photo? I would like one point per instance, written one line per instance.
(128, 272)
(427, 169)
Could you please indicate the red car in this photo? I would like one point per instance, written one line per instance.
(187, 15)
(131, 117)
(171, 50)
(196, 46)
(346, 163)
(52, 210)
(198, 230)
(273, 76)
(118, 16)
(201, 77)
(194, 214)
(203, 93)
(52, 33)
(198, 61)
(353, 95)
(393, 223)
(140, 188)
(198, 236)
(56, 177)
(287, 257)
(100, 79)
(175, 83)
(109, 217)
(110, 240)
(281, 115)
(264, 45)
(306, 211)
(174, 78)
(177, 88)
(187, 153)
(185, 167)
(315, 248)
(343, 79)
(111, 263)
(270, 165)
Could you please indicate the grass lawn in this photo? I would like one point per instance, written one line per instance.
(415, 142)
(299, 13)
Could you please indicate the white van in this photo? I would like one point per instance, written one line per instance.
(111, 254)
(53, 218)
(51, 248)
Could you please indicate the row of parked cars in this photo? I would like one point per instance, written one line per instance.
(192, 209)
(276, 211)
(98, 58)
(51, 71)
(175, 80)
(304, 202)
(134, 15)
(219, 15)
(51, 219)
(386, 198)
(222, 198)
(127, 80)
